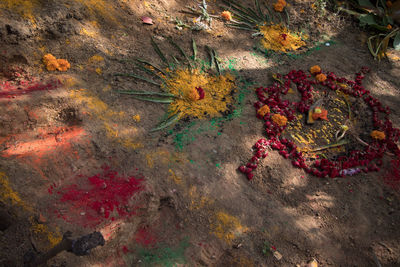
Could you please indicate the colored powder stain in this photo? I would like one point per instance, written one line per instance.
(145, 238)
(8, 195)
(89, 32)
(9, 90)
(392, 177)
(105, 195)
(102, 112)
(279, 38)
(197, 201)
(165, 157)
(23, 7)
(136, 118)
(227, 227)
(99, 71)
(217, 91)
(177, 179)
(46, 143)
(96, 59)
(53, 238)
(164, 255)
(100, 8)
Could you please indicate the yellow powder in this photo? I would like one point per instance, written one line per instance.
(177, 179)
(105, 114)
(95, 59)
(23, 7)
(198, 200)
(227, 227)
(100, 8)
(53, 238)
(279, 38)
(217, 91)
(7, 194)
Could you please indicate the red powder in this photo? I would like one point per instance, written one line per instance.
(392, 178)
(145, 238)
(105, 196)
(125, 249)
(9, 90)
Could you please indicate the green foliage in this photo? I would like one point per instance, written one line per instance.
(251, 18)
(266, 248)
(377, 18)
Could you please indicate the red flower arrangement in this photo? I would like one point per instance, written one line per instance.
(367, 160)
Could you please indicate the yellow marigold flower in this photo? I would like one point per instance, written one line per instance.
(320, 77)
(280, 5)
(63, 65)
(315, 69)
(279, 119)
(226, 15)
(389, 27)
(263, 110)
(378, 135)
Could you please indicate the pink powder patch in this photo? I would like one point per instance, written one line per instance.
(99, 198)
(9, 90)
(392, 177)
(145, 238)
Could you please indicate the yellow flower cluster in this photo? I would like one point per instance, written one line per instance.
(279, 38)
(280, 5)
(52, 63)
(379, 135)
(279, 119)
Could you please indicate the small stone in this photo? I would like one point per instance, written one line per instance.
(277, 255)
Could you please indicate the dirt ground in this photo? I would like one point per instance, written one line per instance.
(69, 143)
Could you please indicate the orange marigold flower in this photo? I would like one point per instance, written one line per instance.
(48, 58)
(378, 135)
(50, 62)
(320, 77)
(226, 15)
(320, 113)
(389, 27)
(280, 5)
(194, 95)
(63, 65)
(263, 110)
(389, 4)
(315, 69)
(279, 119)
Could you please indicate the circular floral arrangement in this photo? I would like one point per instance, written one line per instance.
(280, 114)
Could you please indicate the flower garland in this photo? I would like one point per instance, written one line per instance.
(282, 112)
